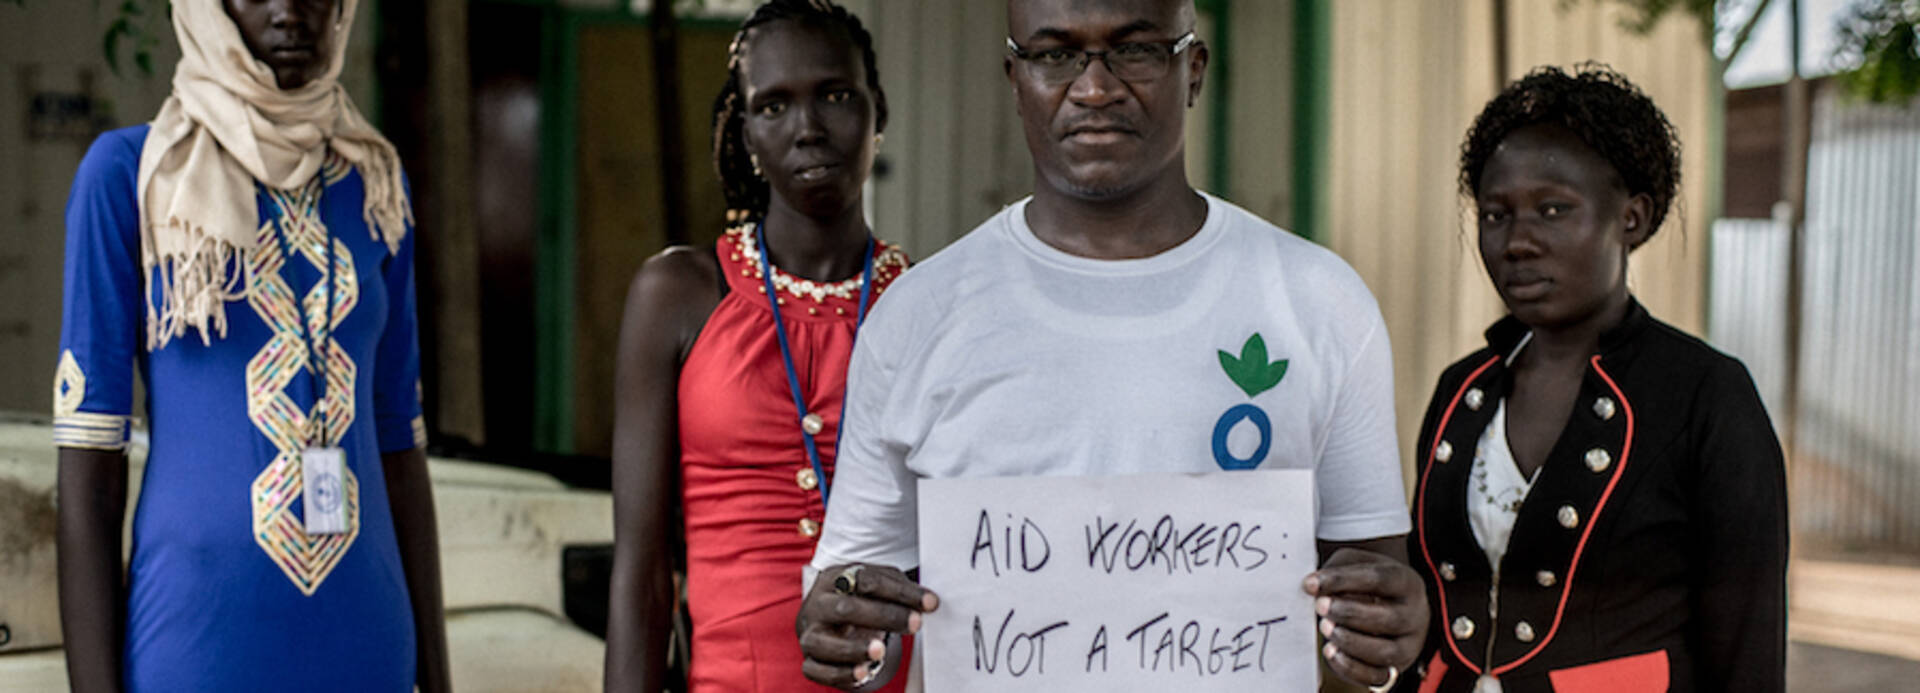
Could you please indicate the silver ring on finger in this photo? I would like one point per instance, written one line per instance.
(1393, 677)
(873, 672)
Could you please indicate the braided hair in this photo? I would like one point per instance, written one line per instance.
(747, 193)
(1599, 106)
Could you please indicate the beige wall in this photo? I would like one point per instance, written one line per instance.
(1260, 108)
(1408, 78)
(954, 151)
(51, 47)
(54, 46)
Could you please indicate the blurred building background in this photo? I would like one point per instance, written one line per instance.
(555, 144)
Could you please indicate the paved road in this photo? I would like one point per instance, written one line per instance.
(1816, 669)
(1810, 669)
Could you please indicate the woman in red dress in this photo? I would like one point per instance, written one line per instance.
(736, 412)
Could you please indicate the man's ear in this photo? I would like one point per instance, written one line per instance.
(1197, 57)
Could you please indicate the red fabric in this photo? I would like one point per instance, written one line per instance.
(1436, 670)
(1636, 674)
(740, 449)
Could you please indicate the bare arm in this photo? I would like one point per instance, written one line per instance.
(410, 495)
(93, 592)
(1372, 606)
(667, 304)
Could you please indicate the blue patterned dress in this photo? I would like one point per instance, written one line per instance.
(227, 592)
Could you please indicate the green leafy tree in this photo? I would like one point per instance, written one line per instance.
(1878, 43)
(1726, 24)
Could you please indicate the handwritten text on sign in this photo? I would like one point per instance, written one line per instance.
(1154, 582)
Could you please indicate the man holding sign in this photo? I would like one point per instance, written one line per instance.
(1119, 323)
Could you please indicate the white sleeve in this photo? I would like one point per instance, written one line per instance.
(872, 510)
(1361, 493)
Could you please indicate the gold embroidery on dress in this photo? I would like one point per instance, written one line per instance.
(306, 560)
(91, 431)
(73, 428)
(69, 386)
(335, 168)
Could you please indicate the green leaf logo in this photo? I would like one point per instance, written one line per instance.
(1251, 371)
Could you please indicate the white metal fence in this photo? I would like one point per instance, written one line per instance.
(1856, 478)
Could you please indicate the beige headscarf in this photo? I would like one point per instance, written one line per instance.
(226, 125)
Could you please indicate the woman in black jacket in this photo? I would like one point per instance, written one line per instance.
(1602, 499)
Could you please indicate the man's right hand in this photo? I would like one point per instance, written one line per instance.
(847, 618)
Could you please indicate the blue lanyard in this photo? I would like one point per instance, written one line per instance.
(314, 360)
(786, 352)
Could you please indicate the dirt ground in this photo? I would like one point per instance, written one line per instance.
(1816, 669)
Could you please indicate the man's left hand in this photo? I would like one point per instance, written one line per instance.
(1373, 613)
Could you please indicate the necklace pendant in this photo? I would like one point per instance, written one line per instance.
(812, 424)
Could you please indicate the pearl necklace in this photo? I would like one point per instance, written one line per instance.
(847, 289)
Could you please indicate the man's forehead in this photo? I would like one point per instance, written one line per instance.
(1028, 19)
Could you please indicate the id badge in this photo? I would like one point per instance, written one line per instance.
(325, 495)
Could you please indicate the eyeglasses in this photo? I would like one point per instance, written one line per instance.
(1137, 61)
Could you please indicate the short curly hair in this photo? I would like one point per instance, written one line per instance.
(1599, 106)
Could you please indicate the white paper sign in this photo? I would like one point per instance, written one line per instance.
(1124, 583)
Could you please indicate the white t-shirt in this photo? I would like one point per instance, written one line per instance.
(1003, 356)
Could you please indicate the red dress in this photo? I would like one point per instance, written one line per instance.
(753, 509)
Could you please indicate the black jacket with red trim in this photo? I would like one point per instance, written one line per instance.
(1651, 551)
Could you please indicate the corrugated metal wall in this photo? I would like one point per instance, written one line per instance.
(1750, 302)
(1860, 383)
(1856, 477)
(954, 152)
(1408, 77)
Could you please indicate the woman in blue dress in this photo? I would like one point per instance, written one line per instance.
(249, 253)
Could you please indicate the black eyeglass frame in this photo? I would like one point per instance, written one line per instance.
(1085, 57)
